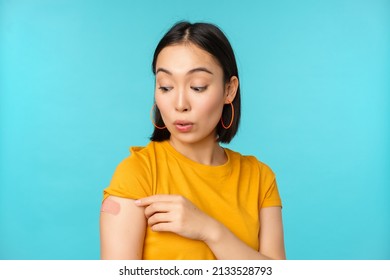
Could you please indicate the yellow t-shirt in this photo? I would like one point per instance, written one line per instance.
(232, 193)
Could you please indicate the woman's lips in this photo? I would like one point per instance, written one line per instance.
(183, 126)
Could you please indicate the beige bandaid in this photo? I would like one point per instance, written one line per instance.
(110, 206)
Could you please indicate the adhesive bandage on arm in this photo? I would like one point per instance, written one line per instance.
(110, 206)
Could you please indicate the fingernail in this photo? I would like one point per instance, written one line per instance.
(137, 202)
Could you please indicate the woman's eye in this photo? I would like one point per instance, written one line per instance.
(199, 89)
(165, 89)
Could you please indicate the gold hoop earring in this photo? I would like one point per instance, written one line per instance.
(151, 118)
(231, 121)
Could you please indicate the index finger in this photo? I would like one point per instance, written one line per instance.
(155, 198)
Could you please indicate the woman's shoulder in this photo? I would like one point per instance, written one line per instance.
(249, 161)
(147, 151)
(139, 157)
(133, 175)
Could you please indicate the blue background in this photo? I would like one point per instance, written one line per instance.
(76, 89)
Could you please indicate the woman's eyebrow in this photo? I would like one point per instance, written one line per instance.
(198, 69)
(163, 70)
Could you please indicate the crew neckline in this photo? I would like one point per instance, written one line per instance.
(215, 169)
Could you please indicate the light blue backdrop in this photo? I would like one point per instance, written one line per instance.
(76, 89)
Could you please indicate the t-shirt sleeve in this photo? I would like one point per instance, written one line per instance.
(269, 193)
(132, 178)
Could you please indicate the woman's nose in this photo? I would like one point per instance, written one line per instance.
(182, 102)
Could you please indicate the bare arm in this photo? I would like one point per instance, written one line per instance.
(271, 233)
(122, 229)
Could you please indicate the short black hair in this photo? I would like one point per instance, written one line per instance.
(210, 38)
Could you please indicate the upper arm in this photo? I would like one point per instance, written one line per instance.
(271, 238)
(122, 232)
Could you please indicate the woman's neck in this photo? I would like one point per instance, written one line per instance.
(205, 152)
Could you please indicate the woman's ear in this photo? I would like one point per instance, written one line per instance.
(231, 88)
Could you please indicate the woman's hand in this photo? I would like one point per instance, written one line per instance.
(175, 213)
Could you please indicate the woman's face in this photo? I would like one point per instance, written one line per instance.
(190, 92)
